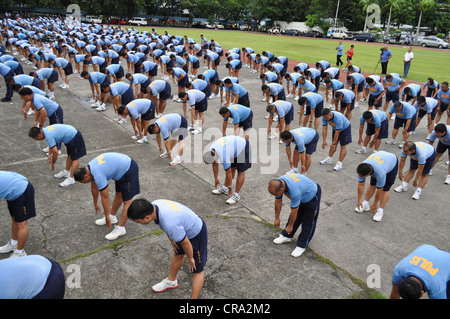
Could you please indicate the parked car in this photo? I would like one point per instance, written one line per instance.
(434, 42)
(92, 19)
(274, 30)
(395, 39)
(313, 34)
(340, 34)
(291, 32)
(138, 21)
(364, 36)
(118, 21)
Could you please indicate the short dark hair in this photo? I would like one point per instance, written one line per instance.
(367, 115)
(326, 111)
(34, 131)
(370, 80)
(151, 128)
(410, 145)
(79, 174)
(364, 169)
(84, 73)
(398, 105)
(302, 100)
(182, 95)
(139, 209)
(440, 128)
(421, 99)
(16, 87)
(223, 110)
(120, 109)
(26, 91)
(409, 288)
(264, 87)
(338, 94)
(286, 135)
(270, 108)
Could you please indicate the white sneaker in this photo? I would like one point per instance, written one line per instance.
(356, 104)
(362, 150)
(121, 120)
(220, 190)
(416, 194)
(46, 149)
(164, 285)
(142, 140)
(66, 86)
(292, 171)
(264, 99)
(164, 154)
(197, 131)
(289, 96)
(401, 188)
(296, 97)
(116, 233)
(428, 136)
(102, 221)
(96, 104)
(178, 100)
(7, 248)
(67, 182)
(327, 161)
(62, 174)
(16, 254)
(338, 166)
(271, 137)
(297, 252)
(378, 216)
(362, 208)
(191, 128)
(281, 240)
(401, 144)
(391, 142)
(447, 180)
(233, 199)
(136, 137)
(176, 160)
(413, 133)
(101, 107)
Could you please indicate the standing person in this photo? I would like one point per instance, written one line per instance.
(31, 277)
(19, 195)
(349, 53)
(174, 126)
(407, 59)
(382, 169)
(234, 153)
(442, 133)
(425, 270)
(305, 140)
(405, 116)
(377, 129)
(422, 158)
(305, 195)
(187, 233)
(340, 53)
(385, 56)
(125, 172)
(73, 139)
(341, 132)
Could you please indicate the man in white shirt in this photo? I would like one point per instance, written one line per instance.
(407, 58)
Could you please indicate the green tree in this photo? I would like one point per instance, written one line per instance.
(424, 5)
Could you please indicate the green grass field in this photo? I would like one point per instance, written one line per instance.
(427, 62)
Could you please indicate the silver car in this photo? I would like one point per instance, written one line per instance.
(433, 42)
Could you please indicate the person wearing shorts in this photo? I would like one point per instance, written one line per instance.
(234, 153)
(31, 277)
(426, 106)
(422, 158)
(442, 133)
(393, 85)
(382, 168)
(274, 90)
(187, 233)
(347, 102)
(377, 129)
(19, 195)
(198, 104)
(141, 111)
(443, 97)
(405, 116)
(125, 172)
(174, 126)
(314, 105)
(356, 80)
(242, 117)
(341, 133)
(285, 113)
(305, 140)
(160, 92)
(72, 138)
(121, 94)
(51, 75)
(376, 91)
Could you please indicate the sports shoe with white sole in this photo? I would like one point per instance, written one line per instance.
(67, 182)
(176, 160)
(116, 233)
(362, 150)
(46, 149)
(164, 285)
(327, 161)
(62, 174)
(282, 240)
(164, 154)
(401, 188)
(16, 254)
(297, 252)
(362, 208)
(102, 107)
(338, 166)
(7, 248)
(416, 194)
(447, 180)
(391, 142)
(102, 221)
(142, 140)
(220, 190)
(233, 199)
(378, 216)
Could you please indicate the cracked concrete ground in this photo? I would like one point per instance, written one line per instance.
(243, 263)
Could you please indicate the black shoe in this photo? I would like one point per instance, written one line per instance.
(6, 99)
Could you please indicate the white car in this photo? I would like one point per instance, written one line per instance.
(92, 19)
(340, 34)
(433, 42)
(274, 31)
(138, 21)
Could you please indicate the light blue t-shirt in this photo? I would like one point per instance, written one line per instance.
(382, 163)
(239, 113)
(377, 118)
(443, 139)
(302, 137)
(138, 106)
(40, 101)
(307, 86)
(44, 73)
(375, 89)
(157, 86)
(228, 148)
(430, 104)
(177, 220)
(119, 88)
(24, 277)
(23, 79)
(348, 95)
(444, 96)
(113, 68)
(12, 185)
(275, 88)
(237, 89)
(429, 264)
(97, 77)
(415, 89)
(407, 112)
(423, 152)
(168, 123)
(339, 122)
(108, 166)
(282, 108)
(58, 133)
(300, 189)
(139, 78)
(357, 78)
(313, 99)
(394, 84)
